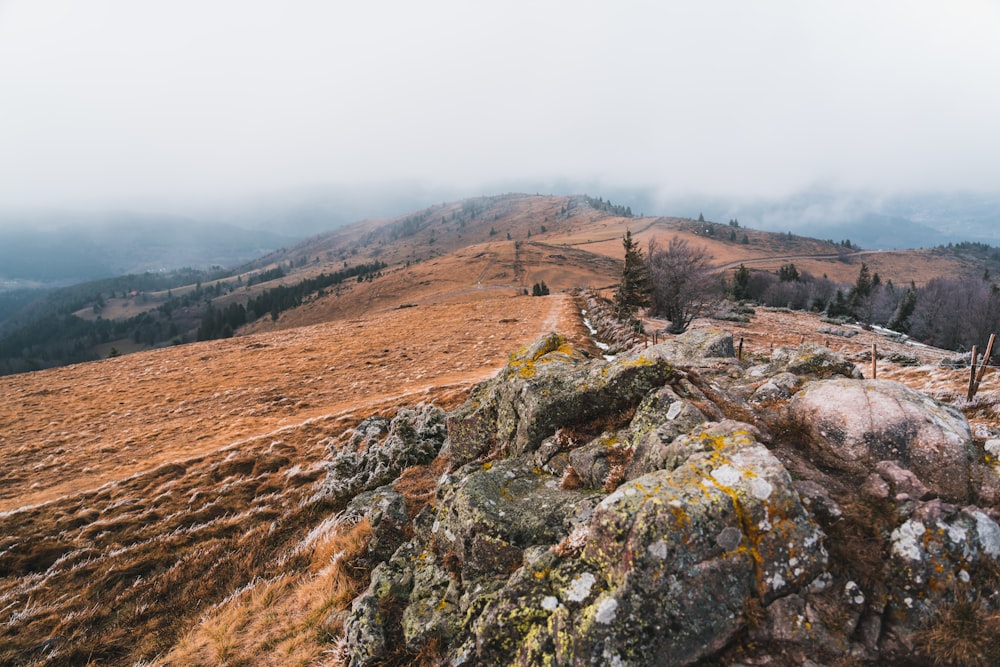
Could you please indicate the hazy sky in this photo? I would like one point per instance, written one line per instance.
(109, 102)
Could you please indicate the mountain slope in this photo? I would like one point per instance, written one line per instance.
(506, 243)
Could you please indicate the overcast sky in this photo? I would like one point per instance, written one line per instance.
(125, 102)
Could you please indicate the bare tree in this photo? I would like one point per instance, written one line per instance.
(683, 283)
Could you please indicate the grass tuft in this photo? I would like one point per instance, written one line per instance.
(966, 633)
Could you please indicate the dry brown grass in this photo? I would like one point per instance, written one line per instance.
(290, 619)
(161, 483)
(75, 428)
(966, 634)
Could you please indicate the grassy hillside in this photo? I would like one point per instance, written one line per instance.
(503, 243)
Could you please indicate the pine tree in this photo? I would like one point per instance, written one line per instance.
(904, 310)
(635, 286)
(741, 284)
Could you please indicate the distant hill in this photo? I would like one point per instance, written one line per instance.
(868, 219)
(481, 247)
(53, 251)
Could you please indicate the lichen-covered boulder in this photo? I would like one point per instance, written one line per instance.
(669, 563)
(385, 510)
(807, 360)
(661, 418)
(379, 449)
(939, 556)
(488, 515)
(601, 462)
(370, 625)
(708, 551)
(852, 425)
(777, 387)
(544, 386)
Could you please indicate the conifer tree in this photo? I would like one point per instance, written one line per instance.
(635, 286)
(741, 284)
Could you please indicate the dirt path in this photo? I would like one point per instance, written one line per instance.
(798, 258)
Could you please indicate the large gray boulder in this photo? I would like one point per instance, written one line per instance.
(669, 564)
(660, 419)
(852, 425)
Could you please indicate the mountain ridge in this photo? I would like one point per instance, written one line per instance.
(500, 243)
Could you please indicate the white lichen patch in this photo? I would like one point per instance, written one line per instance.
(611, 659)
(760, 488)
(854, 593)
(580, 587)
(993, 447)
(550, 603)
(906, 540)
(726, 475)
(658, 549)
(775, 581)
(617, 495)
(989, 534)
(606, 611)
(820, 583)
(675, 409)
(956, 532)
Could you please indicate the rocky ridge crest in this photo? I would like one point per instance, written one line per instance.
(675, 505)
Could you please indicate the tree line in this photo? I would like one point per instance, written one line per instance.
(58, 338)
(600, 204)
(676, 282)
(950, 313)
(223, 322)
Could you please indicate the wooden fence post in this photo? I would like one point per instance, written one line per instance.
(982, 367)
(739, 353)
(874, 363)
(972, 373)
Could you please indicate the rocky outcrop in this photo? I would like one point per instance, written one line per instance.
(609, 513)
(379, 449)
(545, 386)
